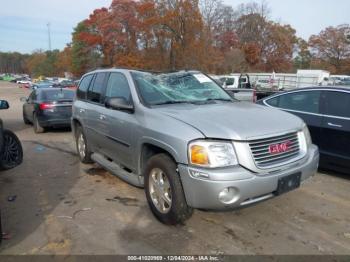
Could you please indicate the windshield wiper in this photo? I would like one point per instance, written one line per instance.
(171, 102)
(218, 99)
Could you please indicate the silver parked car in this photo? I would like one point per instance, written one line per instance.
(187, 142)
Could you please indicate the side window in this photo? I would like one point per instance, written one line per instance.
(95, 90)
(230, 81)
(273, 101)
(83, 86)
(306, 101)
(118, 86)
(337, 104)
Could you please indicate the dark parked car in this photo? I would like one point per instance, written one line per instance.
(48, 107)
(11, 153)
(42, 84)
(66, 84)
(326, 111)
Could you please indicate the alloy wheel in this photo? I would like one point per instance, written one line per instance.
(160, 190)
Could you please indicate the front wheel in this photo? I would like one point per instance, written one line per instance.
(12, 154)
(164, 191)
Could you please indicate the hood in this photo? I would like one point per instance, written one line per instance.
(234, 121)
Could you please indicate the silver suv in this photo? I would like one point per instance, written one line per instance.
(187, 142)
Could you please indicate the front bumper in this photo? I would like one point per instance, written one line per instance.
(249, 187)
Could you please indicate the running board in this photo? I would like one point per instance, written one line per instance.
(116, 170)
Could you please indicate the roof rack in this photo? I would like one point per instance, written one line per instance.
(148, 71)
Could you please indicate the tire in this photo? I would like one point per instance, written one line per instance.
(25, 120)
(82, 146)
(171, 208)
(12, 153)
(36, 125)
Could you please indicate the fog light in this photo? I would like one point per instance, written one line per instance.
(228, 195)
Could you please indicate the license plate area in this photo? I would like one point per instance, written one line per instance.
(288, 183)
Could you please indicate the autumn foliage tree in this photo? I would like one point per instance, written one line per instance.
(197, 34)
(207, 35)
(331, 49)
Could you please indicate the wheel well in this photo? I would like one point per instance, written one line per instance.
(149, 150)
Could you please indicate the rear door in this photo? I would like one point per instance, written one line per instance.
(304, 104)
(80, 105)
(336, 127)
(96, 121)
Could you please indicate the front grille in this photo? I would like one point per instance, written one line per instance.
(262, 156)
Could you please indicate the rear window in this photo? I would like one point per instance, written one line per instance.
(57, 95)
(307, 101)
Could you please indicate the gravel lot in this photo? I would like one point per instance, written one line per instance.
(65, 207)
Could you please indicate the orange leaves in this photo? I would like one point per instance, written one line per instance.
(129, 61)
(89, 38)
(178, 34)
(331, 48)
(252, 53)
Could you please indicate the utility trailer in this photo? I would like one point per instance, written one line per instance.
(270, 83)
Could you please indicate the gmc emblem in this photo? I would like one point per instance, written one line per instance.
(280, 148)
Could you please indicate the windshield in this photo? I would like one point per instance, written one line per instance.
(182, 87)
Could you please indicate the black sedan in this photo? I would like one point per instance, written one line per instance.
(48, 107)
(11, 152)
(326, 111)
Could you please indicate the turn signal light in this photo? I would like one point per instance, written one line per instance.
(199, 155)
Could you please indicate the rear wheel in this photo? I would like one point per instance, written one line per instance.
(12, 154)
(82, 147)
(36, 125)
(164, 191)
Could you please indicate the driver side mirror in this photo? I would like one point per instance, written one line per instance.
(4, 104)
(119, 103)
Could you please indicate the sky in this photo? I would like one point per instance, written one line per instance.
(23, 23)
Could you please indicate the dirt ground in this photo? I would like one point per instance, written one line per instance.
(65, 207)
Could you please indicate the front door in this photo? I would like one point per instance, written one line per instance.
(121, 125)
(28, 107)
(304, 104)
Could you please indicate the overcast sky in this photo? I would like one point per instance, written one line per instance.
(23, 23)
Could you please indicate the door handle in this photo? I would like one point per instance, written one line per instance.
(102, 117)
(334, 125)
(81, 110)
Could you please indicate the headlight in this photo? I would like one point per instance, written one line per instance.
(307, 136)
(212, 154)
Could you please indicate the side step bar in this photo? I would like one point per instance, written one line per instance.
(116, 170)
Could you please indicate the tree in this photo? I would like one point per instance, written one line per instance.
(64, 61)
(303, 59)
(332, 47)
(278, 49)
(13, 62)
(35, 63)
(84, 58)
